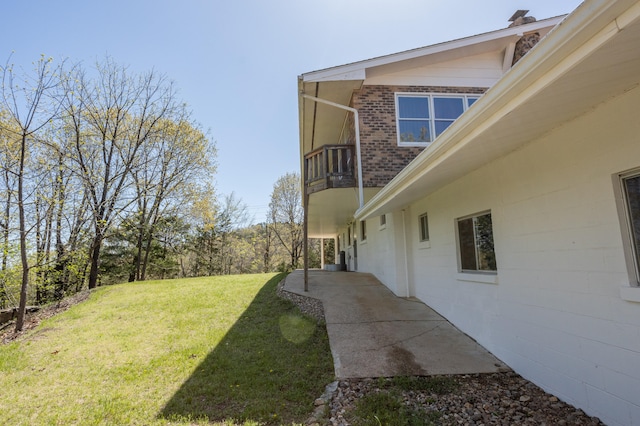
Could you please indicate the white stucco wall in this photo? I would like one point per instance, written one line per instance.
(555, 313)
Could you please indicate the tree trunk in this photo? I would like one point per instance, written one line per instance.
(145, 260)
(4, 297)
(141, 226)
(137, 259)
(7, 217)
(60, 283)
(133, 271)
(23, 239)
(95, 260)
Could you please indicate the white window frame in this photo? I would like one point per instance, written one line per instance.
(631, 250)
(423, 243)
(363, 231)
(465, 105)
(459, 248)
(383, 221)
(421, 229)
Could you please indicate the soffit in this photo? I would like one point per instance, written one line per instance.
(331, 209)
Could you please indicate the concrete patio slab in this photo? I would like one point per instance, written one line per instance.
(373, 333)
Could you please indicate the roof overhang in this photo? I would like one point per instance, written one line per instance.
(453, 49)
(589, 58)
(322, 124)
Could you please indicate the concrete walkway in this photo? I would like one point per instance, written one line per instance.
(373, 333)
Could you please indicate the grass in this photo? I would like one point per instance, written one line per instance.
(222, 350)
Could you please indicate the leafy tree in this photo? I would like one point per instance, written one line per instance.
(170, 242)
(212, 245)
(177, 155)
(107, 160)
(329, 251)
(164, 258)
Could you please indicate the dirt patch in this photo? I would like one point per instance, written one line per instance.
(32, 320)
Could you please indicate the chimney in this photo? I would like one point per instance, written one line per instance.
(527, 41)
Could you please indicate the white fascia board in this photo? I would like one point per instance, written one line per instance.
(357, 70)
(547, 62)
(336, 74)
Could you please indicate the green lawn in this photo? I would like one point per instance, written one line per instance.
(169, 352)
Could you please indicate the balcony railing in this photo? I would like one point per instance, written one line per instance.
(331, 166)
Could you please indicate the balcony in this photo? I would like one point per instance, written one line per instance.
(331, 166)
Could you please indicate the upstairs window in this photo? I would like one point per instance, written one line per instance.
(421, 118)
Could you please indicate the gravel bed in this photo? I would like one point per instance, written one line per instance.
(307, 305)
(477, 399)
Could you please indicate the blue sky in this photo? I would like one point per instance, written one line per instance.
(236, 61)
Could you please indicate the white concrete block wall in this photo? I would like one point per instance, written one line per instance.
(555, 314)
(378, 254)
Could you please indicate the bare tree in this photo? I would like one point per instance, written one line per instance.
(31, 103)
(267, 254)
(232, 214)
(8, 163)
(286, 214)
(112, 118)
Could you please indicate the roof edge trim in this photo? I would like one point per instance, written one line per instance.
(357, 70)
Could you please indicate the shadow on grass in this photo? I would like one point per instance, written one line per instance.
(269, 368)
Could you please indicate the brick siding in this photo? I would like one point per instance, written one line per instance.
(382, 158)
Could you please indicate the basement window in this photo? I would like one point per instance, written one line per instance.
(363, 230)
(424, 227)
(475, 243)
(383, 221)
(421, 118)
(629, 186)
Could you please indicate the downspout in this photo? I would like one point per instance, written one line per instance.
(305, 229)
(357, 129)
(406, 254)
